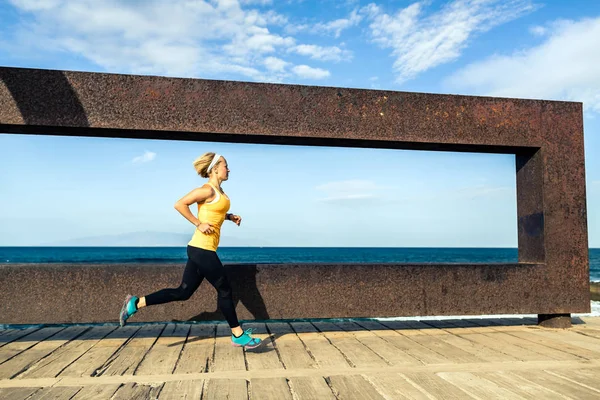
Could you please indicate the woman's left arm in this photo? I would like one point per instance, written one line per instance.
(236, 219)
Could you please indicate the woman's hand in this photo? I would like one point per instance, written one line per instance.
(205, 228)
(236, 219)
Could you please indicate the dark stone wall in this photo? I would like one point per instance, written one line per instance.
(94, 293)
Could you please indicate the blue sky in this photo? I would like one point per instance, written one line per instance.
(59, 188)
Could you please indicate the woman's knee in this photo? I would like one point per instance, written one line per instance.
(223, 287)
(183, 293)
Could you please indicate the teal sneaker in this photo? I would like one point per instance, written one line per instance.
(246, 340)
(128, 309)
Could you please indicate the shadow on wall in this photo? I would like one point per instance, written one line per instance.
(245, 290)
(43, 97)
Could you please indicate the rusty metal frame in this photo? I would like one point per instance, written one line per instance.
(546, 137)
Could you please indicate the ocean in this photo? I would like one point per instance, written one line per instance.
(271, 255)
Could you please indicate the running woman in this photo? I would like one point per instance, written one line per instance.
(213, 207)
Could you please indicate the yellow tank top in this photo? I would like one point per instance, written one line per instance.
(214, 214)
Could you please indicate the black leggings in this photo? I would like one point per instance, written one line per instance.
(201, 263)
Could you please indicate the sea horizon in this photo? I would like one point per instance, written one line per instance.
(291, 247)
(272, 255)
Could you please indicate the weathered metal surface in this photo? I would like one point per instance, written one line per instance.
(545, 136)
(76, 293)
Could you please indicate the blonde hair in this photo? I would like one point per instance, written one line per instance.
(201, 164)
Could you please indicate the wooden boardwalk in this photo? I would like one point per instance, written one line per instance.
(442, 359)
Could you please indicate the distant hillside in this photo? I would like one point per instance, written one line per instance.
(148, 239)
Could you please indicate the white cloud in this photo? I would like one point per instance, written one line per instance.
(564, 67)
(349, 191)
(349, 199)
(256, 41)
(256, 2)
(304, 71)
(538, 30)
(184, 38)
(481, 191)
(320, 53)
(337, 26)
(459, 194)
(31, 5)
(420, 42)
(144, 158)
(275, 64)
(347, 186)
(334, 27)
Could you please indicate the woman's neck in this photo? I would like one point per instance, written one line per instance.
(215, 182)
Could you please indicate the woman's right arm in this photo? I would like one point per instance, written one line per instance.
(199, 195)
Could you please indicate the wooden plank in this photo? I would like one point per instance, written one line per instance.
(483, 326)
(17, 393)
(395, 325)
(576, 352)
(227, 357)
(425, 328)
(56, 393)
(506, 322)
(24, 360)
(523, 322)
(198, 350)
(462, 326)
(526, 389)
(353, 387)
(356, 352)
(96, 392)
(25, 342)
(584, 376)
(404, 347)
(572, 338)
(231, 389)
(595, 333)
(175, 390)
(50, 366)
(489, 341)
(558, 384)
(265, 356)
(291, 349)
(13, 334)
(270, 389)
(387, 351)
(488, 321)
(446, 350)
(324, 353)
(455, 342)
(593, 321)
(395, 386)
(546, 353)
(436, 386)
(408, 345)
(379, 328)
(311, 387)
(94, 358)
(479, 351)
(127, 358)
(418, 328)
(163, 356)
(445, 325)
(477, 387)
(136, 391)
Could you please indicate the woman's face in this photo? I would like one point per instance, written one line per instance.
(223, 169)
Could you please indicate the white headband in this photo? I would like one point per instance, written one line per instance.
(213, 162)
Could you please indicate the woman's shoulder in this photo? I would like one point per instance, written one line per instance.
(207, 190)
